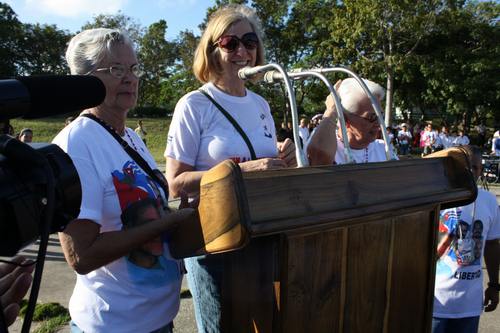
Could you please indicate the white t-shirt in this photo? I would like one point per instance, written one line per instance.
(201, 136)
(404, 137)
(496, 136)
(446, 140)
(304, 134)
(375, 152)
(121, 296)
(461, 141)
(458, 291)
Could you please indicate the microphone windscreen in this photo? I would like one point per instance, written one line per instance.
(53, 95)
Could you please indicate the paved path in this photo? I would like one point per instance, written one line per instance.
(58, 281)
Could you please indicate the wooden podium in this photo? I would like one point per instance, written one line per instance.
(347, 248)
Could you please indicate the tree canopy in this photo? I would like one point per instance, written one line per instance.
(437, 58)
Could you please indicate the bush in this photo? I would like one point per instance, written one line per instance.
(45, 311)
(148, 111)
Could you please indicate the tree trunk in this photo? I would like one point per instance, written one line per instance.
(389, 95)
(286, 112)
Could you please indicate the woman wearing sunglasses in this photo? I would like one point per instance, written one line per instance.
(200, 136)
(113, 293)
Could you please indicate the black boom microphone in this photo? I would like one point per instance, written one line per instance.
(33, 97)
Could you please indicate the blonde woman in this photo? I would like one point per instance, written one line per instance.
(201, 136)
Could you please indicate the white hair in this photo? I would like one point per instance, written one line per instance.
(90, 47)
(351, 92)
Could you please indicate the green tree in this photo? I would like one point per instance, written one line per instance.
(117, 21)
(157, 55)
(42, 50)
(182, 79)
(377, 37)
(458, 63)
(10, 35)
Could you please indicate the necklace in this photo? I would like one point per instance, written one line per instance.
(131, 141)
(105, 124)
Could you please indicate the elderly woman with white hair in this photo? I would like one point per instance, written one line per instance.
(326, 146)
(117, 172)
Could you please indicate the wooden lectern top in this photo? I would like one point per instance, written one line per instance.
(235, 206)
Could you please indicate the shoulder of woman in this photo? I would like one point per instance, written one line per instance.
(193, 100)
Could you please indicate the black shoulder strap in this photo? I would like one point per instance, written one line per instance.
(233, 122)
(132, 153)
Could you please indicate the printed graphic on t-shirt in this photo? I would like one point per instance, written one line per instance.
(460, 243)
(146, 264)
(132, 184)
(141, 202)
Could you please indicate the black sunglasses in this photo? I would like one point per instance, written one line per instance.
(230, 43)
(372, 118)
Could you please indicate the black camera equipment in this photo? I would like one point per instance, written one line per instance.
(39, 185)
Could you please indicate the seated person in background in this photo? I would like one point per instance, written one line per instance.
(26, 135)
(466, 233)
(326, 146)
(461, 139)
(445, 138)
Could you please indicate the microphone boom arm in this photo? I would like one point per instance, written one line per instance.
(373, 100)
(244, 73)
(338, 106)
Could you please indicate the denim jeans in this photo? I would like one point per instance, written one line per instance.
(403, 148)
(165, 329)
(204, 276)
(455, 325)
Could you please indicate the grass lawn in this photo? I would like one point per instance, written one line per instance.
(44, 130)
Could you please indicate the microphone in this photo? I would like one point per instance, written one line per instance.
(248, 72)
(272, 77)
(32, 97)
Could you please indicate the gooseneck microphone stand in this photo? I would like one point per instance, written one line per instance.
(248, 72)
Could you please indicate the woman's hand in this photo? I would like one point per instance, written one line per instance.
(286, 151)
(14, 283)
(263, 164)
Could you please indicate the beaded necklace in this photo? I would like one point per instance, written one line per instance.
(131, 141)
(366, 155)
(105, 124)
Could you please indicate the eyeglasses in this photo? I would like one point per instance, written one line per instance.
(372, 118)
(119, 71)
(230, 43)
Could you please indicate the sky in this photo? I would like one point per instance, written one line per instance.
(73, 14)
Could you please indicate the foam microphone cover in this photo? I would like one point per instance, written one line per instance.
(53, 95)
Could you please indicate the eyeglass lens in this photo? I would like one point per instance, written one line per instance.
(230, 43)
(119, 71)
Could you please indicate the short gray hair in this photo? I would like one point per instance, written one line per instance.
(90, 47)
(350, 92)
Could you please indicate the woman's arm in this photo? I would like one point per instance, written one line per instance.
(181, 178)
(492, 261)
(323, 144)
(86, 249)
